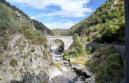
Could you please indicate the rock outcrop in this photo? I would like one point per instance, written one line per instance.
(24, 62)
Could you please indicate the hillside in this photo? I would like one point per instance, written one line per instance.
(42, 27)
(95, 53)
(24, 55)
(13, 17)
(13, 20)
(105, 25)
(99, 43)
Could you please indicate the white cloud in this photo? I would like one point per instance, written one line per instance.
(32, 17)
(61, 25)
(69, 8)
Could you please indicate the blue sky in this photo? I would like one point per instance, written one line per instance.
(58, 13)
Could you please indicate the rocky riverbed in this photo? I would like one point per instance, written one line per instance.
(74, 73)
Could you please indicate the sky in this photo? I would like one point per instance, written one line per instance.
(60, 14)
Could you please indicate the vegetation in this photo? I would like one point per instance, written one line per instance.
(82, 59)
(61, 32)
(105, 25)
(13, 62)
(32, 50)
(44, 81)
(1, 61)
(7, 21)
(90, 50)
(75, 50)
(36, 36)
(42, 27)
(56, 65)
(107, 65)
(11, 23)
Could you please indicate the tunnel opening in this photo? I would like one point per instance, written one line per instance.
(57, 46)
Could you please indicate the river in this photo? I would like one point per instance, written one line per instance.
(70, 73)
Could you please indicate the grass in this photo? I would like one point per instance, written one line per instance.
(81, 59)
(56, 65)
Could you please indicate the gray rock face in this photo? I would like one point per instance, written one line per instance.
(42, 27)
(29, 78)
(119, 48)
(24, 62)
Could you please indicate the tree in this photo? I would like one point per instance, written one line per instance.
(77, 43)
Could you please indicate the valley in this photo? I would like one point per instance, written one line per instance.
(68, 73)
(91, 51)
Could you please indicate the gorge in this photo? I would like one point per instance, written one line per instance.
(67, 73)
(91, 51)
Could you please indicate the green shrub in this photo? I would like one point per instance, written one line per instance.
(98, 36)
(44, 81)
(109, 70)
(32, 50)
(90, 50)
(13, 62)
(66, 57)
(36, 36)
(107, 65)
(89, 39)
(8, 19)
(43, 40)
(77, 44)
(1, 61)
(56, 65)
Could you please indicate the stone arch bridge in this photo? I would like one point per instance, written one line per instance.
(67, 40)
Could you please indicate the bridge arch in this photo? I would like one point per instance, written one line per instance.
(57, 46)
(67, 40)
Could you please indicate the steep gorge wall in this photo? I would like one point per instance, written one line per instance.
(24, 61)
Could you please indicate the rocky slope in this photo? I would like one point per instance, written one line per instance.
(42, 27)
(24, 57)
(24, 61)
(18, 18)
